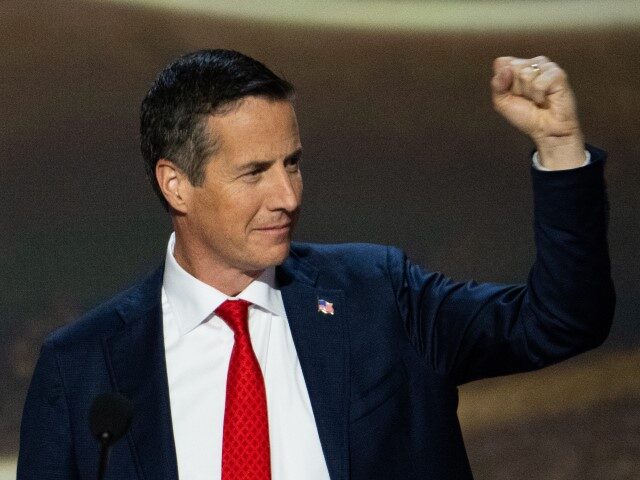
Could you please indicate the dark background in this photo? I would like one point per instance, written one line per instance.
(401, 147)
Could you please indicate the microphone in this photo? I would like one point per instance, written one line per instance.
(109, 419)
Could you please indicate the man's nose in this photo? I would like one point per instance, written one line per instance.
(285, 192)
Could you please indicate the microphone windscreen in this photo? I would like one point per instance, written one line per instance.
(110, 413)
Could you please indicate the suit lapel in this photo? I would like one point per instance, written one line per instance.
(138, 368)
(323, 352)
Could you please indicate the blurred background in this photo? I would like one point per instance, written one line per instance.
(401, 147)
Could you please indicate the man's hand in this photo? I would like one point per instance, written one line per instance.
(535, 97)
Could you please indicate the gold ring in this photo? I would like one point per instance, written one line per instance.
(535, 67)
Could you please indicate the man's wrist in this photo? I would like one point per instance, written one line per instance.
(561, 154)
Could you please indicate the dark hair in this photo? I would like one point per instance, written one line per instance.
(173, 113)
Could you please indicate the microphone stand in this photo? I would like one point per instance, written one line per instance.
(105, 439)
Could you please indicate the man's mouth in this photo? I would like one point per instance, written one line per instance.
(277, 228)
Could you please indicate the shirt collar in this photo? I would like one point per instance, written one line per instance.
(194, 302)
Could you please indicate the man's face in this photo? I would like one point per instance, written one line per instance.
(244, 212)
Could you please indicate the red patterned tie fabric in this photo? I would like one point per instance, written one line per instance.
(245, 441)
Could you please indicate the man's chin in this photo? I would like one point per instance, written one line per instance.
(280, 254)
(271, 257)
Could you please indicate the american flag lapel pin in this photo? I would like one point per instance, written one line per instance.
(325, 307)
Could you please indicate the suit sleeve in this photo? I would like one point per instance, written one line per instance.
(467, 331)
(46, 450)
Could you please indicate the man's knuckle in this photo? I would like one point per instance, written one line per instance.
(539, 83)
(499, 61)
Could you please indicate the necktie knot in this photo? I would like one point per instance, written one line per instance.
(236, 314)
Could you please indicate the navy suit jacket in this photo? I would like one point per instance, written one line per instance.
(382, 372)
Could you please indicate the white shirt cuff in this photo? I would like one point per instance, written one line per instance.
(536, 162)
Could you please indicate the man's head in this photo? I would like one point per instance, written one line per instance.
(185, 94)
(221, 144)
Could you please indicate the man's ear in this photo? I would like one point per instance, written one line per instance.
(174, 184)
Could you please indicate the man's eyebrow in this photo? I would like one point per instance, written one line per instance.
(256, 165)
(295, 155)
(263, 164)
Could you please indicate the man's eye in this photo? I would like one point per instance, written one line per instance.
(293, 164)
(255, 172)
(252, 175)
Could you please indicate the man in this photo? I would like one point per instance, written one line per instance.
(246, 356)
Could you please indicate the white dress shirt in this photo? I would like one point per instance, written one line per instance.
(198, 347)
(539, 166)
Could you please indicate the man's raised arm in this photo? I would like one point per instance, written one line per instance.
(468, 331)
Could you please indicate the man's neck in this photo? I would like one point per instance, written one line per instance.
(200, 265)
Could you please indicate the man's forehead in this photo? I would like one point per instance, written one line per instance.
(253, 117)
(253, 105)
(255, 128)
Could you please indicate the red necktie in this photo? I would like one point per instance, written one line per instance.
(245, 441)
